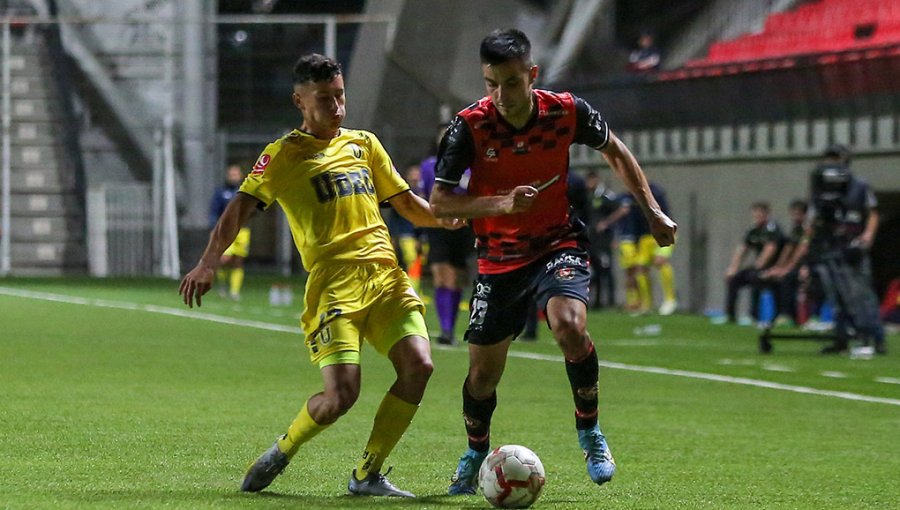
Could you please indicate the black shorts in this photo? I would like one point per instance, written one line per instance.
(452, 247)
(499, 304)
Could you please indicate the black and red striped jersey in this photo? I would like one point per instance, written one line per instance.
(502, 157)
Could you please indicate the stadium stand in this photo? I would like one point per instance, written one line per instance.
(815, 28)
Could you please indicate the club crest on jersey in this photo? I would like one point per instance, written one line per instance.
(565, 274)
(521, 148)
(260, 166)
(356, 150)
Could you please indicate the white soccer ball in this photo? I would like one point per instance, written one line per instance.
(511, 476)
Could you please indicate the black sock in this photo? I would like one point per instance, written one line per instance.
(477, 415)
(583, 377)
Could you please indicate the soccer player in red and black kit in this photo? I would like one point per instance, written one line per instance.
(516, 142)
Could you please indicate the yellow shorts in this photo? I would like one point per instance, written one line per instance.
(348, 303)
(664, 251)
(241, 245)
(641, 253)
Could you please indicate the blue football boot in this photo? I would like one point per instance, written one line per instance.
(600, 463)
(465, 480)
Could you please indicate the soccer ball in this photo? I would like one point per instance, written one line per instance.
(511, 476)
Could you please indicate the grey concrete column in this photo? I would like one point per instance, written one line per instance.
(197, 123)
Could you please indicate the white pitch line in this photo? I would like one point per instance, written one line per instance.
(888, 380)
(164, 310)
(834, 375)
(46, 296)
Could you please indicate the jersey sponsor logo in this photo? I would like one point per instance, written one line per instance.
(260, 166)
(332, 185)
(490, 154)
(553, 112)
(568, 259)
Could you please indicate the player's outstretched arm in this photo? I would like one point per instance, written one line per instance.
(415, 209)
(626, 167)
(447, 204)
(200, 279)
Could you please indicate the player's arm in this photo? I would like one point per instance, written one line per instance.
(765, 256)
(626, 167)
(415, 209)
(455, 154)
(735, 261)
(200, 279)
(447, 204)
(616, 215)
(592, 130)
(866, 239)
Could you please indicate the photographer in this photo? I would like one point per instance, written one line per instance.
(843, 221)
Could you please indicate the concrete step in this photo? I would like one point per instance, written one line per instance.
(34, 133)
(27, 157)
(43, 204)
(34, 110)
(41, 180)
(27, 256)
(29, 87)
(28, 64)
(58, 229)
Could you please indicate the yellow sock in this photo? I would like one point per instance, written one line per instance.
(301, 430)
(643, 284)
(391, 421)
(221, 275)
(667, 281)
(236, 281)
(631, 298)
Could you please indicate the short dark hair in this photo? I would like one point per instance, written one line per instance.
(799, 204)
(501, 46)
(314, 68)
(761, 205)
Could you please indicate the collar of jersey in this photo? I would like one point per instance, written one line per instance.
(531, 120)
(307, 134)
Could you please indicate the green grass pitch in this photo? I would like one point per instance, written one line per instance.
(108, 399)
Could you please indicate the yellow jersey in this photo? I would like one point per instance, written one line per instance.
(330, 191)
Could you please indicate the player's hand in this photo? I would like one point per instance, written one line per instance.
(520, 199)
(196, 283)
(663, 229)
(451, 223)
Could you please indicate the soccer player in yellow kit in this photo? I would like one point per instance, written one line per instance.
(329, 181)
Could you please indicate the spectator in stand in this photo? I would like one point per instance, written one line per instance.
(763, 241)
(646, 57)
(785, 273)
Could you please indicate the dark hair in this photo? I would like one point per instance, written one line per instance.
(504, 45)
(799, 204)
(315, 68)
(763, 206)
(592, 173)
(838, 151)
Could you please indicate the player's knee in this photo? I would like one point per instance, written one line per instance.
(482, 382)
(338, 402)
(568, 328)
(418, 369)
